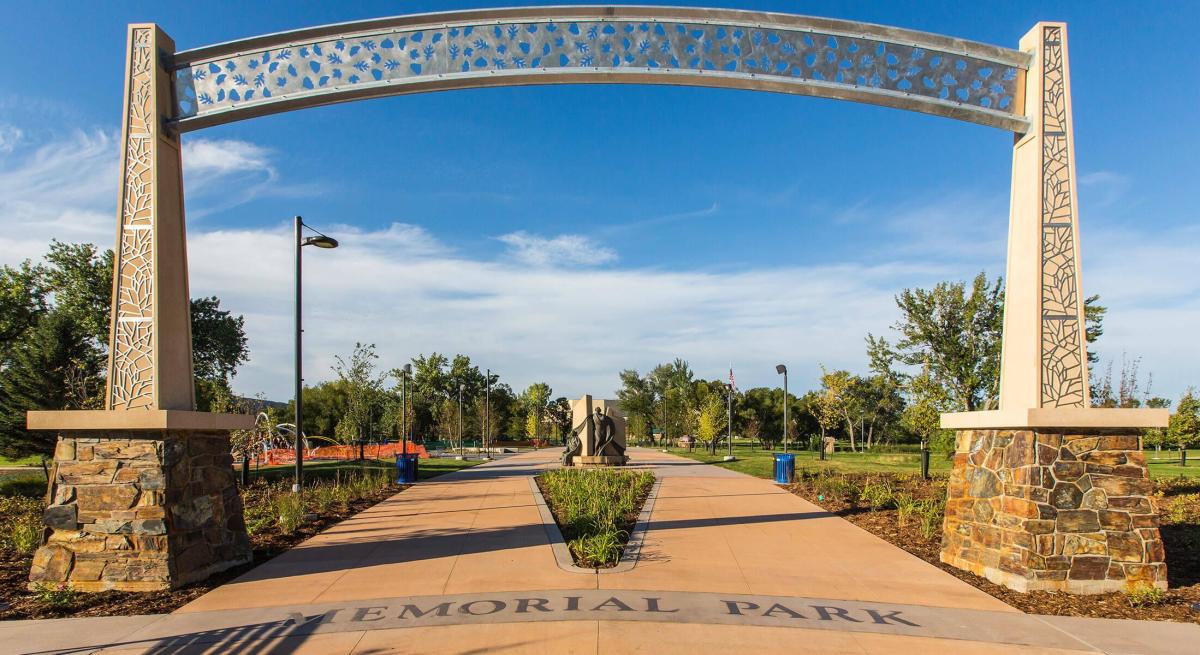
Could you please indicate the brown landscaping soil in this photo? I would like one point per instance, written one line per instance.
(1178, 499)
(17, 602)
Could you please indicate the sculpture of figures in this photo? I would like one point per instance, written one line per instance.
(574, 447)
(606, 435)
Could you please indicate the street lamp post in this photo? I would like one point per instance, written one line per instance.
(487, 414)
(461, 446)
(404, 373)
(782, 370)
(729, 422)
(320, 241)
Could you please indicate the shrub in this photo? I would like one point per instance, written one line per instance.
(906, 506)
(931, 513)
(22, 520)
(1143, 594)
(878, 495)
(324, 497)
(60, 596)
(289, 512)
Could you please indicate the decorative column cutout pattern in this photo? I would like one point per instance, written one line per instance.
(150, 344)
(131, 368)
(1064, 362)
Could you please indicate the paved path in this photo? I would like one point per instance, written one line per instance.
(464, 564)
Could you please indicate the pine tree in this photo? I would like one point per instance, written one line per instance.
(56, 367)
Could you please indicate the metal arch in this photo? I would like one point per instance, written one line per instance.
(635, 45)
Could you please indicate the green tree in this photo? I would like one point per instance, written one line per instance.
(535, 398)
(922, 416)
(22, 303)
(57, 366)
(218, 339)
(711, 421)
(957, 335)
(364, 387)
(1183, 431)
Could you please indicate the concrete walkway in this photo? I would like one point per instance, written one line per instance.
(464, 564)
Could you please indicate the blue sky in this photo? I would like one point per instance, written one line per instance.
(562, 233)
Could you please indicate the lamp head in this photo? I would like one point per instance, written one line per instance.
(321, 241)
(781, 369)
(408, 369)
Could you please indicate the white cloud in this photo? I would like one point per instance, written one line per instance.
(1102, 188)
(66, 189)
(564, 250)
(10, 136)
(539, 312)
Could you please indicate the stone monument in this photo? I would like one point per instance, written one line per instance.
(598, 435)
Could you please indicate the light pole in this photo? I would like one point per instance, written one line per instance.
(320, 241)
(404, 373)
(461, 446)
(729, 422)
(782, 370)
(487, 414)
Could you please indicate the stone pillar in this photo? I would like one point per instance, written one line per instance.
(141, 510)
(1047, 492)
(1042, 510)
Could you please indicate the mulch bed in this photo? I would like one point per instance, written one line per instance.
(1180, 532)
(17, 602)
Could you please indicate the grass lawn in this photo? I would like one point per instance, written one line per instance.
(755, 461)
(32, 460)
(426, 468)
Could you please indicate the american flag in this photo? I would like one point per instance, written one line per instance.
(732, 384)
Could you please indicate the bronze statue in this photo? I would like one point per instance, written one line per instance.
(574, 447)
(606, 435)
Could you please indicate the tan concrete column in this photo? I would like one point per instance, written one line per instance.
(1044, 361)
(150, 347)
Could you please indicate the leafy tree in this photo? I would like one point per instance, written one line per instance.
(80, 281)
(927, 400)
(1156, 437)
(711, 421)
(218, 339)
(22, 303)
(1183, 430)
(364, 386)
(637, 400)
(535, 398)
(559, 412)
(957, 335)
(56, 367)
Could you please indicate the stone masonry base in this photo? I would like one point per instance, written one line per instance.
(1035, 510)
(140, 511)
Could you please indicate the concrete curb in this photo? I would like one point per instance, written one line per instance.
(562, 554)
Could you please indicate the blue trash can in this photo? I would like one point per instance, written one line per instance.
(406, 468)
(785, 468)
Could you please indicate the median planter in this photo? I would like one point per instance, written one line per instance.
(596, 510)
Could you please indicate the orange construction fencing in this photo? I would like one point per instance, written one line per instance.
(277, 456)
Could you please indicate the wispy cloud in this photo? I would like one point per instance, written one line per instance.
(1103, 188)
(564, 250)
(10, 135)
(658, 221)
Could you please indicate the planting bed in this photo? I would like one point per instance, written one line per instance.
(875, 503)
(274, 521)
(595, 509)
